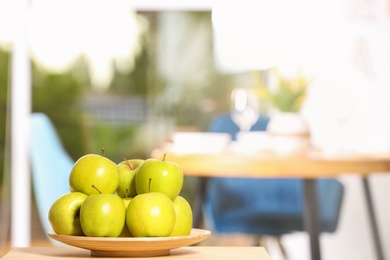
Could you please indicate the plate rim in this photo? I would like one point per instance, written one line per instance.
(129, 244)
(198, 233)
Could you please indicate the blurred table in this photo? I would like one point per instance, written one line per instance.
(193, 252)
(269, 165)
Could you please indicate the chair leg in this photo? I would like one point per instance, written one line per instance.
(281, 247)
(263, 241)
(260, 241)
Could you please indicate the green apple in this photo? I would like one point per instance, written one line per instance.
(159, 176)
(183, 224)
(125, 231)
(127, 170)
(150, 215)
(102, 215)
(64, 214)
(93, 169)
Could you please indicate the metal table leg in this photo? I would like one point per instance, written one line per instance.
(373, 223)
(311, 216)
(199, 200)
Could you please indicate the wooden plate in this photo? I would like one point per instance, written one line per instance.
(132, 246)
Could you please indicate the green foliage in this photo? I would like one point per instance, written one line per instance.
(137, 81)
(197, 92)
(4, 81)
(58, 95)
(289, 94)
(118, 141)
(197, 105)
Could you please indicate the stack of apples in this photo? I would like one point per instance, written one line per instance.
(135, 198)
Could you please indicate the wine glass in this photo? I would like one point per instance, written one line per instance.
(244, 108)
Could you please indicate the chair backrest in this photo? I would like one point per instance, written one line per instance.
(224, 124)
(268, 206)
(50, 166)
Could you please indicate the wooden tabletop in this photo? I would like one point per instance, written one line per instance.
(261, 164)
(191, 252)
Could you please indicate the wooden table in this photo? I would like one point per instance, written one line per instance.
(192, 252)
(309, 167)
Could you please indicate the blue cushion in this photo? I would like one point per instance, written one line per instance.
(50, 165)
(268, 206)
(265, 206)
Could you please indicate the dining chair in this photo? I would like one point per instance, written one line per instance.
(263, 207)
(50, 166)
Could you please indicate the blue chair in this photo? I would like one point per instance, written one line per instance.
(263, 206)
(50, 166)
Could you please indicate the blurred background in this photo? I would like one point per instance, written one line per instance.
(125, 75)
(112, 77)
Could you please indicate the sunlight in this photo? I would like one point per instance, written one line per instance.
(104, 32)
(7, 22)
(257, 35)
(59, 32)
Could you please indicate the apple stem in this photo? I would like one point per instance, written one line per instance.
(128, 164)
(164, 156)
(102, 151)
(93, 186)
(127, 192)
(150, 182)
